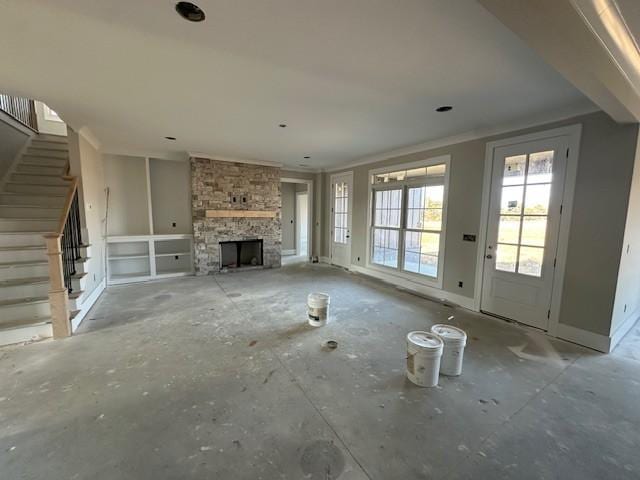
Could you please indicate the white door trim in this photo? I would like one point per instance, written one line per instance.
(573, 133)
(310, 211)
(350, 216)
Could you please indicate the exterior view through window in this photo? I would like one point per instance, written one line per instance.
(407, 219)
(524, 207)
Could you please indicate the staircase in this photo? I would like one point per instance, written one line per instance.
(32, 198)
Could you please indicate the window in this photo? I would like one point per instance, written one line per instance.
(408, 219)
(524, 207)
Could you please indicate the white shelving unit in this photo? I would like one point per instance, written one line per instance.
(150, 225)
(146, 257)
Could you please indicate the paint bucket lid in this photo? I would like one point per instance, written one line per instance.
(425, 340)
(449, 333)
(318, 300)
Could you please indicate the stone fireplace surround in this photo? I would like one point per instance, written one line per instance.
(215, 185)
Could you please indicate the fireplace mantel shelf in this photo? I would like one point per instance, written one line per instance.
(241, 213)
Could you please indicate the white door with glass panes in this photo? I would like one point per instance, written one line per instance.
(522, 233)
(341, 207)
(408, 219)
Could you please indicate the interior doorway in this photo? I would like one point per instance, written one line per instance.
(297, 214)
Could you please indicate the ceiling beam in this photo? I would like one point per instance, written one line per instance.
(564, 37)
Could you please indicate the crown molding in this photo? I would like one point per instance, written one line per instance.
(476, 134)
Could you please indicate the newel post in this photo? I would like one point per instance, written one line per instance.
(58, 296)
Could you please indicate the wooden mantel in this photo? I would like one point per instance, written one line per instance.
(241, 213)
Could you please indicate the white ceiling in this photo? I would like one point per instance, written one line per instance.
(351, 78)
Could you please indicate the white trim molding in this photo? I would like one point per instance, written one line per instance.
(598, 342)
(623, 329)
(573, 134)
(434, 293)
(288, 253)
(87, 304)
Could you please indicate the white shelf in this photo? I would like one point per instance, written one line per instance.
(127, 257)
(157, 253)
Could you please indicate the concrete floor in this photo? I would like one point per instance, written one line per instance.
(221, 378)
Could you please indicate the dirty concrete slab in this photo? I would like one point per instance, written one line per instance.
(221, 377)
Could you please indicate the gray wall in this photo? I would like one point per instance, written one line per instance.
(626, 308)
(12, 140)
(170, 196)
(87, 163)
(604, 174)
(126, 178)
(288, 216)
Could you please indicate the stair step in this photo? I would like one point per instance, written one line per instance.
(23, 281)
(28, 225)
(25, 330)
(11, 239)
(25, 199)
(22, 308)
(35, 189)
(43, 160)
(30, 287)
(47, 153)
(50, 146)
(38, 179)
(51, 137)
(31, 169)
(29, 211)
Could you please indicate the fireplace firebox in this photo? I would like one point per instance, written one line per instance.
(240, 253)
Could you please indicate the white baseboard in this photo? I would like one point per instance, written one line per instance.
(287, 252)
(431, 292)
(87, 304)
(325, 260)
(596, 341)
(623, 329)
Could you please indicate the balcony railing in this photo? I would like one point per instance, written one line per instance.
(22, 109)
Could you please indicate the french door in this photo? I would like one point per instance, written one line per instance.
(522, 234)
(341, 208)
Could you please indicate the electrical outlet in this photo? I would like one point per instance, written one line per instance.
(173, 224)
(460, 284)
(176, 257)
(358, 258)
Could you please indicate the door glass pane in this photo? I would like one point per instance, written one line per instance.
(540, 167)
(509, 229)
(506, 258)
(534, 230)
(514, 170)
(530, 262)
(511, 200)
(536, 200)
(340, 207)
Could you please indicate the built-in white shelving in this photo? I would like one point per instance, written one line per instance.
(141, 258)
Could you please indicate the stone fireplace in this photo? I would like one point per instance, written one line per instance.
(236, 209)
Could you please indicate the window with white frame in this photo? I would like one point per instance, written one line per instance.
(407, 218)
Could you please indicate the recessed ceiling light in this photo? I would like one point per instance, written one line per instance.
(189, 11)
(283, 125)
(307, 156)
(170, 138)
(303, 165)
(444, 108)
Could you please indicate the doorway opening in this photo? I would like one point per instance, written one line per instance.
(297, 213)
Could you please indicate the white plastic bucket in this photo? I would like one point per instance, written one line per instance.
(424, 350)
(318, 309)
(454, 340)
